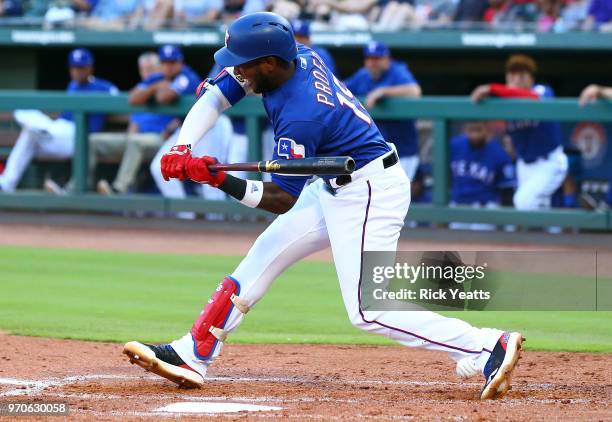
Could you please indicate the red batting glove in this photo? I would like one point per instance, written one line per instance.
(197, 170)
(173, 162)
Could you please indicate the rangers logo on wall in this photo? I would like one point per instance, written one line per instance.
(289, 149)
(590, 139)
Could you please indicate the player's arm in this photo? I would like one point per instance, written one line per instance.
(253, 193)
(215, 96)
(143, 92)
(272, 198)
(407, 90)
(165, 94)
(593, 92)
(501, 90)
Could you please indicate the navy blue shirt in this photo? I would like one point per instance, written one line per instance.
(313, 114)
(402, 133)
(95, 122)
(184, 83)
(534, 139)
(477, 173)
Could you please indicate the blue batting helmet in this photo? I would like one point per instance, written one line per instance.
(257, 35)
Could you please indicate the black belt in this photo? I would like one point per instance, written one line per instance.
(345, 179)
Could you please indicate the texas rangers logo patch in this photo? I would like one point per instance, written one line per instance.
(289, 149)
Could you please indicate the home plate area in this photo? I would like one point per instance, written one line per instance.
(301, 382)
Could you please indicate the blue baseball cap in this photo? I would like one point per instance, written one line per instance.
(170, 53)
(80, 57)
(376, 49)
(301, 28)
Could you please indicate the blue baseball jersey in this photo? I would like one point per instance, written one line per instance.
(186, 82)
(95, 122)
(534, 139)
(609, 198)
(326, 56)
(151, 122)
(402, 133)
(313, 114)
(477, 173)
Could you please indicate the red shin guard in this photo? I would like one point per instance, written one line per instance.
(208, 329)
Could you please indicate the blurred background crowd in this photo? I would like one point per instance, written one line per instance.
(342, 15)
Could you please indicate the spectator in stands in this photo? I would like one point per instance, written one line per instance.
(600, 15)
(572, 16)
(480, 168)
(195, 12)
(65, 12)
(301, 29)
(11, 8)
(233, 9)
(549, 12)
(148, 131)
(434, 13)
(385, 15)
(43, 136)
(591, 94)
(541, 163)
(148, 15)
(470, 11)
(383, 77)
(112, 14)
(511, 14)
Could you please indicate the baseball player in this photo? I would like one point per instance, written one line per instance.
(541, 164)
(174, 79)
(383, 77)
(44, 136)
(313, 114)
(479, 167)
(588, 95)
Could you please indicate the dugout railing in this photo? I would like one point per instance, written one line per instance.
(440, 110)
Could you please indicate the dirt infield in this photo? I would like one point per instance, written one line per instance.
(305, 382)
(302, 382)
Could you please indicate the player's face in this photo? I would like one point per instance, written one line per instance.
(476, 133)
(80, 74)
(521, 79)
(171, 69)
(257, 73)
(376, 66)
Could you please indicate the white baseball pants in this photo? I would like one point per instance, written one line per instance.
(40, 136)
(365, 215)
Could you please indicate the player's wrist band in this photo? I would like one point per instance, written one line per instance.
(247, 192)
(253, 193)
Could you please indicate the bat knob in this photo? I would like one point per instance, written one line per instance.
(349, 165)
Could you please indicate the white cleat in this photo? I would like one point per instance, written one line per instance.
(144, 357)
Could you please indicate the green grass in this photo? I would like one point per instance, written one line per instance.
(114, 296)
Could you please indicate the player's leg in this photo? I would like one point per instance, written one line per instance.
(139, 148)
(291, 237)
(369, 217)
(105, 146)
(18, 160)
(537, 181)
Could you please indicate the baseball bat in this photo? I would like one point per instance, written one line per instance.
(316, 166)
